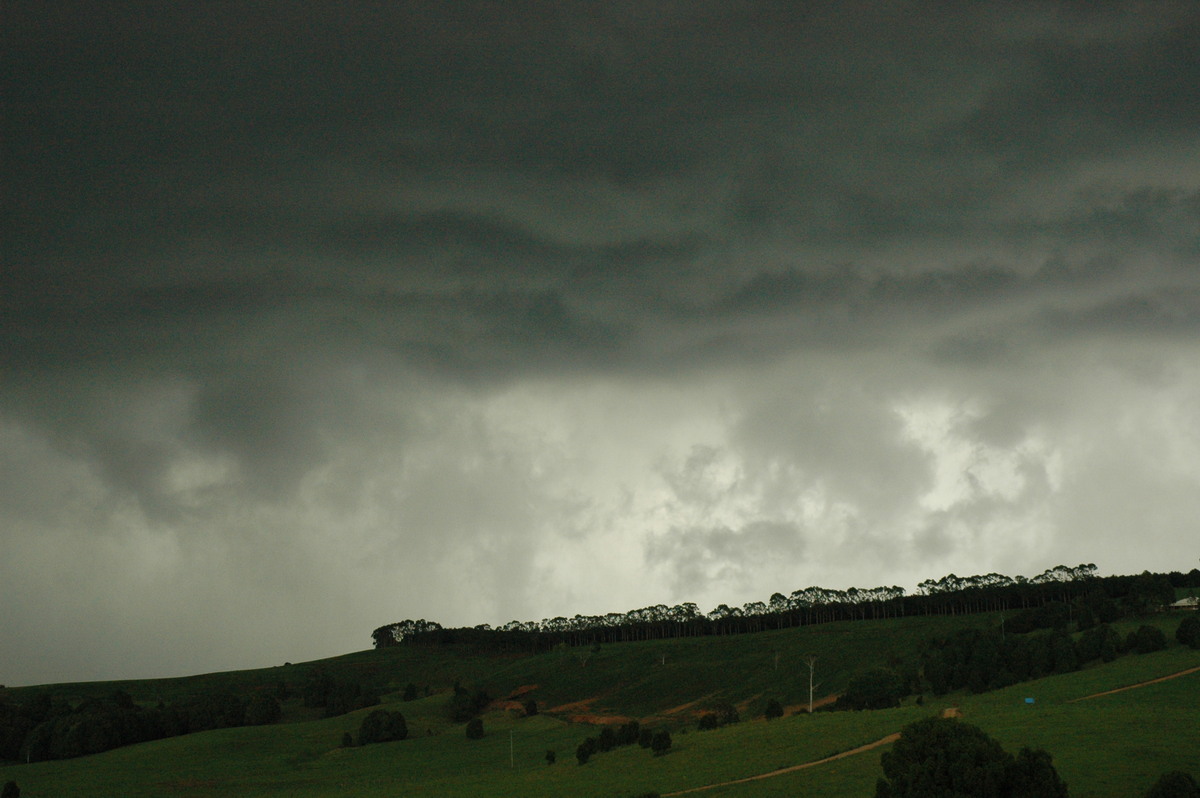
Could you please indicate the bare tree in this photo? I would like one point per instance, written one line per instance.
(811, 661)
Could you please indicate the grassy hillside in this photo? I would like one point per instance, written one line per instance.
(1105, 746)
(633, 679)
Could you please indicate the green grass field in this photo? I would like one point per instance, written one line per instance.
(1113, 745)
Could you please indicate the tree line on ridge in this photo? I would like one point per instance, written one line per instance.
(950, 595)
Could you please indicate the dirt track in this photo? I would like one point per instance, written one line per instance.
(951, 712)
(1139, 684)
(891, 738)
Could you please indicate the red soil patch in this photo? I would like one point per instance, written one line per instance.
(511, 706)
(951, 712)
(512, 702)
(891, 738)
(1139, 684)
(796, 709)
(522, 690)
(574, 706)
(598, 720)
(685, 707)
(581, 712)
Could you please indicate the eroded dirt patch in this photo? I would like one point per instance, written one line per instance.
(598, 720)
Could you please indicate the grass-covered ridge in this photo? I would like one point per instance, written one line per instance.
(1110, 745)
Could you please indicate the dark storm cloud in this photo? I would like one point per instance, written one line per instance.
(460, 291)
(1076, 99)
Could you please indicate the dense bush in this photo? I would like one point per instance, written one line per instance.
(43, 728)
(945, 757)
(774, 710)
(1176, 784)
(629, 733)
(1053, 615)
(661, 742)
(465, 705)
(475, 729)
(337, 696)
(722, 715)
(986, 659)
(382, 726)
(878, 688)
(1188, 633)
(1098, 643)
(1146, 639)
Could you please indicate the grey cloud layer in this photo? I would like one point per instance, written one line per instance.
(399, 278)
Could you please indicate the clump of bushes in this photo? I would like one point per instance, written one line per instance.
(1176, 784)
(337, 696)
(465, 705)
(723, 715)
(627, 734)
(382, 726)
(943, 756)
(878, 688)
(1188, 633)
(1146, 639)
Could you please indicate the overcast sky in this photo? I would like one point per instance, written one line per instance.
(317, 316)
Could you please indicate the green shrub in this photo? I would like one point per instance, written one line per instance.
(382, 726)
(943, 756)
(585, 750)
(1188, 633)
(1176, 784)
(1146, 640)
(878, 688)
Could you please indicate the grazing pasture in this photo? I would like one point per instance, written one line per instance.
(1112, 744)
